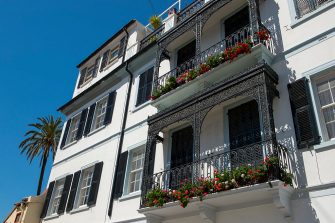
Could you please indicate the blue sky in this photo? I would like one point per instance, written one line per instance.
(41, 42)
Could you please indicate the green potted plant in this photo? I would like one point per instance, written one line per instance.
(155, 21)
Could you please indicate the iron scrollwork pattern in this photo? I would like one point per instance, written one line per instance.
(257, 82)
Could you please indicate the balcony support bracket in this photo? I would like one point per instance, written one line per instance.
(207, 213)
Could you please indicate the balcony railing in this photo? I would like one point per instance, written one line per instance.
(248, 157)
(241, 35)
(190, 10)
(152, 36)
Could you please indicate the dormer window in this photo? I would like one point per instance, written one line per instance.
(88, 73)
(114, 54)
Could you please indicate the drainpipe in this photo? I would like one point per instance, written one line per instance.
(124, 121)
(126, 44)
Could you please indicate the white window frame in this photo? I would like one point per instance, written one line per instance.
(87, 187)
(56, 197)
(315, 81)
(131, 150)
(71, 137)
(102, 115)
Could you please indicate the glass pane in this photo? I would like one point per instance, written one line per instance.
(331, 130)
(323, 86)
(325, 98)
(329, 114)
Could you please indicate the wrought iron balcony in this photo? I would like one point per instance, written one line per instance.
(152, 37)
(239, 36)
(251, 157)
(190, 10)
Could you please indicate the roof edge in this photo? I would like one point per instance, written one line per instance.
(107, 42)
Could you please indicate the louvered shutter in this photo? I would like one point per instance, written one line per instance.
(104, 60)
(92, 198)
(120, 173)
(141, 89)
(110, 108)
(96, 67)
(81, 125)
(47, 199)
(73, 191)
(66, 131)
(82, 77)
(122, 47)
(89, 120)
(65, 194)
(303, 114)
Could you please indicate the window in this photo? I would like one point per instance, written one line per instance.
(113, 54)
(99, 115)
(326, 94)
(135, 170)
(145, 86)
(73, 129)
(84, 186)
(304, 7)
(56, 197)
(17, 218)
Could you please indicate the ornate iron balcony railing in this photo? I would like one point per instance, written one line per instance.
(153, 36)
(190, 10)
(239, 36)
(252, 155)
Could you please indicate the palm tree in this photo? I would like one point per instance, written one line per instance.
(41, 141)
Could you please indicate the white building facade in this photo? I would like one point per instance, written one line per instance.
(217, 110)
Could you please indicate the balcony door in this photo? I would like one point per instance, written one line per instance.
(186, 53)
(244, 127)
(234, 24)
(181, 154)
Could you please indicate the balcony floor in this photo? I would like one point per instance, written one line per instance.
(243, 197)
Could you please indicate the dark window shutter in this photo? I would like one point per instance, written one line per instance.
(89, 120)
(122, 47)
(66, 131)
(110, 108)
(81, 124)
(92, 197)
(47, 199)
(120, 173)
(104, 60)
(65, 194)
(96, 67)
(145, 86)
(303, 114)
(82, 77)
(73, 191)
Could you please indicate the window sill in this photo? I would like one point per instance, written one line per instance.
(130, 196)
(80, 209)
(313, 14)
(70, 144)
(53, 216)
(111, 63)
(136, 108)
(96, 130)
(325, 145)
